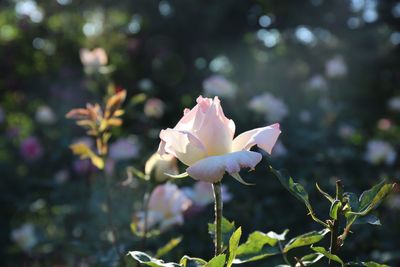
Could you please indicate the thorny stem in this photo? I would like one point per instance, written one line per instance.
(218, 217)
(334, 244)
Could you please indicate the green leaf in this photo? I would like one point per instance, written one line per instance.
(305, 240)
(143, 258)
(352, 200)
(227, 229)
(325, 194)
(168, 247)
(254, 248)
(187, 261)
(298, 191)
(233, 245)
(371, 198)
(217, 261)
(368, 219)
(367, 264)
(295, 189)
(240, 179)
(333, 212)
(374, 264)
(177, 176)
(327, 254)
(137, 173)
(310, 259)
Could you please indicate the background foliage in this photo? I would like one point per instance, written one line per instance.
(332, 68)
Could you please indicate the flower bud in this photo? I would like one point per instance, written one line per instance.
(156, 167)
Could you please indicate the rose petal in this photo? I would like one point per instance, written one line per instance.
(265, 138)
(183, 145)
(216, 132)
(212, 169)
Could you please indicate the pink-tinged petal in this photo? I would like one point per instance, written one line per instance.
(216, 131)
(212, 169)
(265, 138)
(183, 145)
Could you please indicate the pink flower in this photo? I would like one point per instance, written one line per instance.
(203, 140)
(166, 206)
(31, 149)
(93, 60)
(154, 108)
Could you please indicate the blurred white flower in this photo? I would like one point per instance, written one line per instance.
(93, 60)
(202, 193)
(154, 108)
(379, 151)
(274, 109)
(45, 115)
(218, 85)
(317, 83)
(394, 103)
(24, 236)
(157, 165)
(124, 148)
(166, 206)
(335, 67)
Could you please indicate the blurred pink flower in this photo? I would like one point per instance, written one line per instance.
(202, 194)
(124, 148)
(203, 140)
(31, 149)
(218, 85)
(83, 166)
(335, 67)
(273, 108)
(166, 206)
(94, 59)
(154, 108)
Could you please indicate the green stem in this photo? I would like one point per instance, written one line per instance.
(334, 244)
(218, 217)
(284, 256)
(146, 199)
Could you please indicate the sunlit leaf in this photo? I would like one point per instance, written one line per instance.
(187, 261)
(310, 259)
(82, 150)
(147, 260)
(177, 176)
(335, 207)
(305, 240)
(217, 261)
(168, 247)
(233, 246)
(327, 254)
(227, 229)
(325, 194)
(255, 247)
